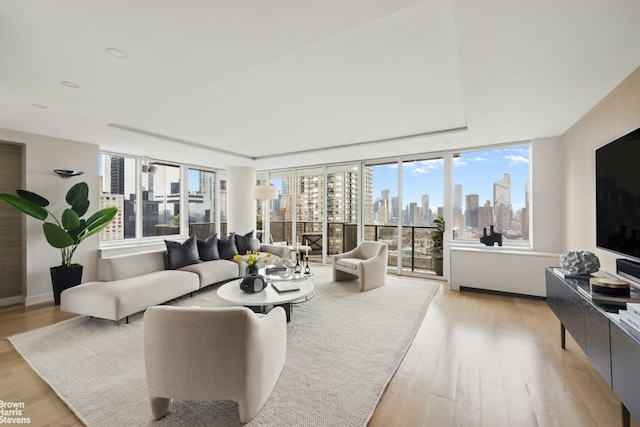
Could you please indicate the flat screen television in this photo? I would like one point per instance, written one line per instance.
(618, 195)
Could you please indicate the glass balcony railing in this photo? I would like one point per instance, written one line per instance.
(416, 249)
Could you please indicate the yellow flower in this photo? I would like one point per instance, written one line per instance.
(252, 257)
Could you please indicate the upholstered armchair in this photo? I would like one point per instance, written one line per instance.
(367, 262)
(228, 353)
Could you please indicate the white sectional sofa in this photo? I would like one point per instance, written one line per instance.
(132, 283)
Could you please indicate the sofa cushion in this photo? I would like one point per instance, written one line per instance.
(181, 254)
(208, 248)
(246, 243)
(227, 247)
(351, 263)
(130, 265)
(120, 298)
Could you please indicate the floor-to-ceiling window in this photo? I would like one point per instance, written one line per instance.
(422, 201)
(118, 188)
(309, 202)
(401, 200)
(281, 209)
(381, 210)
(342, 208)
(161, 201)
(201, 202)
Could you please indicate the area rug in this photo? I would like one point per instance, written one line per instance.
(343, 347)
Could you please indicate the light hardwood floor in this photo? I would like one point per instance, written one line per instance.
(478, 359)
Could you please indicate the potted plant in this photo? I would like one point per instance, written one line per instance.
(437, 238)
(65, 233)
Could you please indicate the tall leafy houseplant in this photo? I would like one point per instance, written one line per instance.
(437, 237)
(67, 232)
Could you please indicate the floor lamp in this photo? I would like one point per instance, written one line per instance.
(264, 193)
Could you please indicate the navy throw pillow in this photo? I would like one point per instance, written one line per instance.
(246, 243)
(182, 254)
(227, 247)
(208, 248)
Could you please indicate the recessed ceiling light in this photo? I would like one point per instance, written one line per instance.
(39, 105)
(116, 52)
(72, 85)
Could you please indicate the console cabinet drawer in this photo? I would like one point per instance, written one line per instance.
(625, 353)
(586, 324)
(568, 306)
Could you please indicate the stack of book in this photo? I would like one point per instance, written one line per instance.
(630, 319)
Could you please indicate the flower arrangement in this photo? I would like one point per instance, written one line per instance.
(253, 257)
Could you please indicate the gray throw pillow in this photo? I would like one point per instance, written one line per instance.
(246, 243)
(208, 248)
(227, 247)
(182, 254)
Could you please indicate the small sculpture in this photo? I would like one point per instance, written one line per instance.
(307, 269)
(283, 262)
(579, 262)
(298, 267)
(491, 238)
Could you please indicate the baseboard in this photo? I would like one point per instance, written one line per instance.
(11, 300)
(38, 299)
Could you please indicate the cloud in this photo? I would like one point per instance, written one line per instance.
(419, 171)
(424, 166)
(516, 159)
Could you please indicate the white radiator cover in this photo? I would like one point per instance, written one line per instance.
(498, 269)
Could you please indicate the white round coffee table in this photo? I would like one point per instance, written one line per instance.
(268, 297)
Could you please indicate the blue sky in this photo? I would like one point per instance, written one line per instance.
(475, 171)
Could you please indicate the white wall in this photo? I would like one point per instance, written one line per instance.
(42, 155)
(241, 208)
(547, 184)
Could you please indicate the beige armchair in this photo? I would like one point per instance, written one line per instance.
(367, 262)
(227, 353)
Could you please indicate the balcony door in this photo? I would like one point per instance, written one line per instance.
(401, 200)
(309, 213)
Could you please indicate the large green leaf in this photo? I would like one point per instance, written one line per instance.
(78, 198)
(70, 220)
(98, 221)
(57, 236)
(25, 206)
(33, 197)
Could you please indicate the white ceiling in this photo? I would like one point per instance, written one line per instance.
(290, 82)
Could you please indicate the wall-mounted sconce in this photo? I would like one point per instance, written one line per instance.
(66, 173)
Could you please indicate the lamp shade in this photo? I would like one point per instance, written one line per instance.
(265, 192)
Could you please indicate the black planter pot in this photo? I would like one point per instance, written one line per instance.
(64, 278)
(438, 266)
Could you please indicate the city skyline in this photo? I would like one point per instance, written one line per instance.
(476, 172)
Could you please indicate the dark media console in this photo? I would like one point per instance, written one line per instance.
(611, 349)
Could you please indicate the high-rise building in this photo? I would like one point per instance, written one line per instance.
(457, 199)
(471, 210)
(502, 203)
(426, 211)
(485, 215)
(115, 229)
(395, 210)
